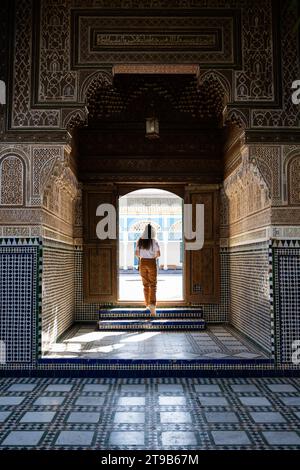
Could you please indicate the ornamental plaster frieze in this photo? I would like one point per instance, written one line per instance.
(51, 220)
(78, 232)
(291, 232)
(27, 171)
(291, 174)
(63, 75)
(78, 208)
(15, 181)
(268, 159)
(43, 162)
(224, 210)
(280, 168)
(246, 191)
(16, 216)
(240, 176)
(285, 215)
(62, 176)
(50, 235)
(20, 231)
(251, 222)
(255, 236)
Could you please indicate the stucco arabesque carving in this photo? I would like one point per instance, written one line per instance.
(291, 174)
(246, 189)
(268, 161)
(61, 177)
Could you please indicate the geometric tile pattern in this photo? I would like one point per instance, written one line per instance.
(152, 324)
(286, 290)
(18, 301)
(152, 413)
(133, 313)
(58, 299)
(216, 342)
(214, 313)
(22, 249)
(250, 306)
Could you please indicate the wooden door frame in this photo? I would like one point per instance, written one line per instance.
(90, 241)
(183, 190)
(122, 190)
(203, 188)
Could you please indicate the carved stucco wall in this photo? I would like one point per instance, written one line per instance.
(262, 200)
(53, 69)
(44, 73)
(60, 192)
(38, 191)
(248, 204)
(279, 167)
(248, 200)
(262, 195)
(289, 114)
(58, 202)
(12, 181)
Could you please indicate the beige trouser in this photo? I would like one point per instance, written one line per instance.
(148, 272)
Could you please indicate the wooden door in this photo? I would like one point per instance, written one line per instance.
(99, 256)
(203, 266)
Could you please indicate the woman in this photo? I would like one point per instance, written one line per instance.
(147, 250)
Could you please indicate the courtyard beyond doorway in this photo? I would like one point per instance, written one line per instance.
(163, 209)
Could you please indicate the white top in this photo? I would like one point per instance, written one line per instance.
(151, 253)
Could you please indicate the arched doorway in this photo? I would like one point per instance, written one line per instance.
(102, 258)
(164, 210)
(116, 156)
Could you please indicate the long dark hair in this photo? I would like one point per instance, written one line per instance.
(146, 242)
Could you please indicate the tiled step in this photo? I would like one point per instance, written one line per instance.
(153, 324)
(141, 313)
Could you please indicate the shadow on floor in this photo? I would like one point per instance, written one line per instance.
(216, 342)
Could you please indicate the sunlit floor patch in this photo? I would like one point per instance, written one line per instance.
(216, 342)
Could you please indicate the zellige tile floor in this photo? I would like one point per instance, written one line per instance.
(216, 342)
(95, 413)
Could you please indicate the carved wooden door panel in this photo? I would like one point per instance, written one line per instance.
(203, 266)
(99, 256)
